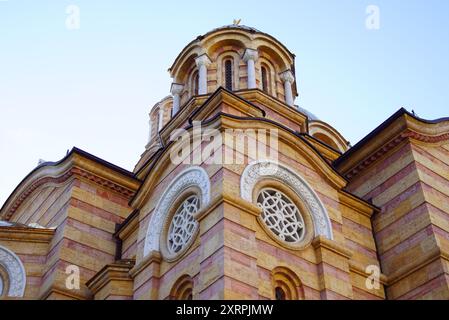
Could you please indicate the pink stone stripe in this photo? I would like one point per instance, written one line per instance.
(329, 270)
(396, 201)
(408, 243)
(357, 247)
(360, 294)
(390, 182)
(31, 258)
(96, 211)
(284, 255)
(85, 228)
(399, 223)
(100, 192)
(379, 167)
(440, 281)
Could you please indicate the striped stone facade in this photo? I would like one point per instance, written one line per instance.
(375, 217)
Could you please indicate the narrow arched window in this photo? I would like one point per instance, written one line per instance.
(279, 293)
(287, 285)
(228, 75)
(182, 289)
(195, 84)
(264, 80)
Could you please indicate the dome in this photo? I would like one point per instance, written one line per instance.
(309, 114)
(235, 26)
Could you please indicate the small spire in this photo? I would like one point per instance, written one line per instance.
(237, 22)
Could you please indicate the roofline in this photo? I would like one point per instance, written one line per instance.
(81, 153)
(231, 27)
(359, 145)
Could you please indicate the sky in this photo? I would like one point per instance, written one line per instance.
(91, 82)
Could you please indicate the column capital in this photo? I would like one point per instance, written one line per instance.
(287, 76)
(176, 88)
(250, 54)
(202, 60)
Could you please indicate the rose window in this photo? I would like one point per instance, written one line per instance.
(183, 225)
(281, 216)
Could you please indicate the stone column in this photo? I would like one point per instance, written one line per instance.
(150, 124)
(161, 118)
(202, 63)
(250, 57)
(288, 78)
(176, 90)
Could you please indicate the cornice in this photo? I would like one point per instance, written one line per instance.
(76, 164)
(23, 234)
(118, 271)
(401, 126)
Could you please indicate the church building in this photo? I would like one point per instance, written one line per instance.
(239, 194)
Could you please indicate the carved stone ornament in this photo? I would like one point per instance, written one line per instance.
(194, 176)
(267, 169)
(16, 272)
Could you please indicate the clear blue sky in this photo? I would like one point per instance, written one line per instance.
(93, 87)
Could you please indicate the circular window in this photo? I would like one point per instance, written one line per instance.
(281, 216)
(183, 226)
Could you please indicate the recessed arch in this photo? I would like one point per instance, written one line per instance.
(182, 289)
(263, 169)
(15, 270)
(327, 134)
(194, 176)
(286, 284)
(235, 59)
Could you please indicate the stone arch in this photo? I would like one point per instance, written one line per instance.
(236, 60)
(258, 170)
(15, 272)
(194, 176)
(273, 75)
(286, 280)
(327, 134)
(182, 289)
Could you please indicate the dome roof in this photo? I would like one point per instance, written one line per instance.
(235, 26)
(309, 114)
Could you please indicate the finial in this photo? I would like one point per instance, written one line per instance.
(237, 22)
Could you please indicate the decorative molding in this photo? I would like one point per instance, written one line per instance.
(263, 169)
(202, 60)
(380, 152)
(63, 178)
(250, 54)
(16, 272)
(176, 88)
(194, 176)
(287, 76)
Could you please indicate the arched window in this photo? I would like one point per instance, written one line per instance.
(182, 289)
(228, 75)
(187, 193)
(286, 285)
(183, 225)
(278, 188)
(265, 79)
(279, 293)
(195, 83)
